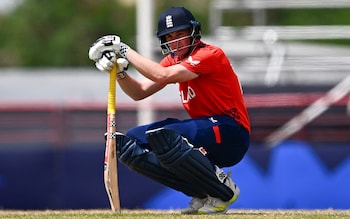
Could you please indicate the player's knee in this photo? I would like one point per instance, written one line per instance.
(169, 146)
(128, 150)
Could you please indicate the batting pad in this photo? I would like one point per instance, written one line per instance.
(176, 155)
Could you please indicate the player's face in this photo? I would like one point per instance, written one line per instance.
(179, 41)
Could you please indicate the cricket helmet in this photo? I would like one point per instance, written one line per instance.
(175, 19)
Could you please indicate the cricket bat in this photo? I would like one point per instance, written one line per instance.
(110, 161)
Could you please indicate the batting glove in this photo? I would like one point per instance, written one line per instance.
(122, 66)
(107, 43)
(107, 61)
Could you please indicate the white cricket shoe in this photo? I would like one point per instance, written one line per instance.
(218, 206)
(195, 204)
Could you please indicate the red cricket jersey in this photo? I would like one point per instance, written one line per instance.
(216, 90)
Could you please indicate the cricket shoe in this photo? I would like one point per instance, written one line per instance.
(195, 204)
(218, 206)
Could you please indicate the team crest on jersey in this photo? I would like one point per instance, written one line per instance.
(192, 62)
(169, 21)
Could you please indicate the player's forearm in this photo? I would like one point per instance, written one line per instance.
(131, 87)
(148, 68)
(138, 90)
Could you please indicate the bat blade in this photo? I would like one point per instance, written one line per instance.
(110, 162)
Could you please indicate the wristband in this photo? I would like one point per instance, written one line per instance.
(121, 75)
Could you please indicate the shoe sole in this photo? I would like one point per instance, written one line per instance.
(232, 200)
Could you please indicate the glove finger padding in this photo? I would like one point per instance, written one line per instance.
(123, 64)
(103, 44)
(107, 62)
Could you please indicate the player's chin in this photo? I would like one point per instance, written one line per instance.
(181, 53)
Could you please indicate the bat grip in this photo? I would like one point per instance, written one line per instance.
(112, 90)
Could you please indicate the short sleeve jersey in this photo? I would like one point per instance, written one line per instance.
(216, 90)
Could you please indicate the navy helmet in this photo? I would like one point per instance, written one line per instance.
(175, 19)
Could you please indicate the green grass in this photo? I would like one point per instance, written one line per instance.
(151, 214)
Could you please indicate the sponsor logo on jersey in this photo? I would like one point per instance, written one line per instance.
(192, 62)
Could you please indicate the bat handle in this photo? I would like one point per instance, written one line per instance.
(112, 90)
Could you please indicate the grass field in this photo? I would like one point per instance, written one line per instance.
(150, 214)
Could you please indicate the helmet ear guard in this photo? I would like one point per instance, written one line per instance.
(196, 29)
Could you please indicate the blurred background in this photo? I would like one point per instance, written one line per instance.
(293, 60)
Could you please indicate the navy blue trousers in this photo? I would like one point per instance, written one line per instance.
(223, 139)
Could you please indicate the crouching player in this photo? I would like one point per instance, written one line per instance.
(185, 155)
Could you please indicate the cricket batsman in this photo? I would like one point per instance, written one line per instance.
(186, 155)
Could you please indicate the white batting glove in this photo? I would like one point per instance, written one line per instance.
(123, 65)
(107, 43)
(107, 61)
(103, 44)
